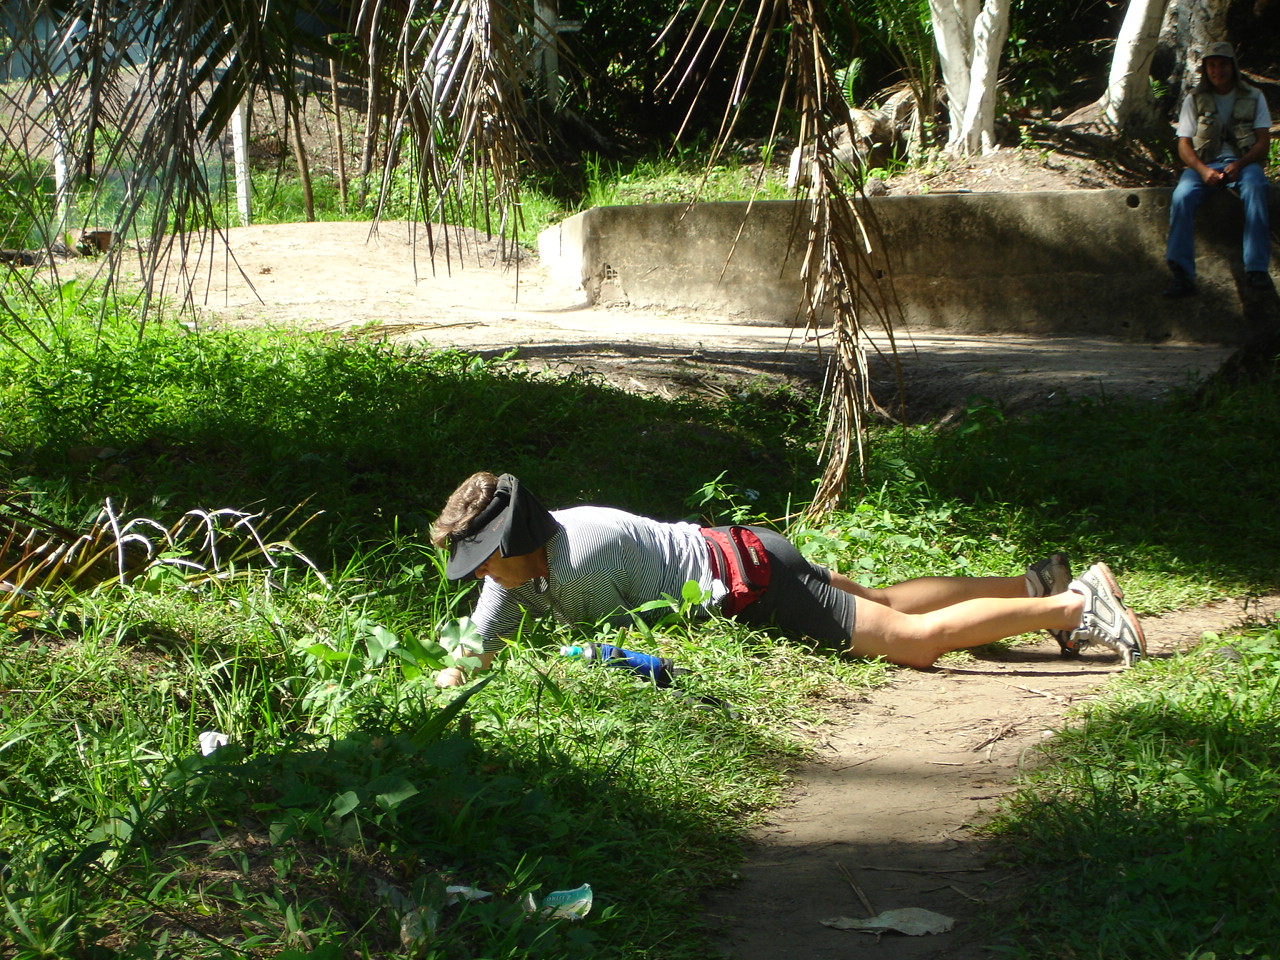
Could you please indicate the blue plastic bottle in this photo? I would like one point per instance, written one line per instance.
(657, 669)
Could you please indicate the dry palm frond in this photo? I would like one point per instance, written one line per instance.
(841, 281)
(129, 102)
(846, 279)
(458, 79)
(39, 556)
(137, 98)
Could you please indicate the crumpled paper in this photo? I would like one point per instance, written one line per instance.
(418, 929)
(913, 921)
(454, 894)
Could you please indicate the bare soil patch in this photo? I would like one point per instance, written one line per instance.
(1071, 163)
(480, 295)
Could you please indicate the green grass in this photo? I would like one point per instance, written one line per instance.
(343, 788)
(370, 434)
(1151, 830)
(278, 198)
(1174, 495)
(26, 202)
(677, 181)
(353, 792)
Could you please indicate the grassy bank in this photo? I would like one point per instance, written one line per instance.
(1150, 831)
(352, 794)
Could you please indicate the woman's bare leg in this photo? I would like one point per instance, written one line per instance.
(919, 639)
(924, 594)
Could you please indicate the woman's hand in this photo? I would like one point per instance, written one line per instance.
(450, 677)
(455, 677)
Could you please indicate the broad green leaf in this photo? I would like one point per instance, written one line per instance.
(398, 794)
(344, 803)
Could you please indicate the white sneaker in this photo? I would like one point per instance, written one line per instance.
(1105, 620)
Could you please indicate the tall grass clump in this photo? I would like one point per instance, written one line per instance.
(26, 201)
(676, 180)
(277, 194)
(277, 197)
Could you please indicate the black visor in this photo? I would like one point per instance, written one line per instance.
(514, 522)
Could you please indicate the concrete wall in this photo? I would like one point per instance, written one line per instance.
(1078, 262)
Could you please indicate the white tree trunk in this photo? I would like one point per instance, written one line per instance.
(977, 127)
(240, 155)
(953, 22)
(970, 35)
(1128, 100)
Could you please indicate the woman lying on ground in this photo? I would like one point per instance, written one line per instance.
(587, 565)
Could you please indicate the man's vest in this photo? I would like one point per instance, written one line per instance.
(1209, 135)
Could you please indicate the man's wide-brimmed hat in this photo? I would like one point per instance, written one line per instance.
(1219, 49)
(513, 522)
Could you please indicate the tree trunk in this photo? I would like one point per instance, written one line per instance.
(373, 98)
(294, 124)
(953, 33)
(1128, 102)
(978, 124)
(339, 147)
(1198, 23)
(970, 38)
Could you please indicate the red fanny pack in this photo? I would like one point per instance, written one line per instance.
(739, 561)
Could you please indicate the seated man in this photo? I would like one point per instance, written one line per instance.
(1224, 133)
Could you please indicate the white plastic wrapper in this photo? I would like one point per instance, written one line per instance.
(211, 740)
(453, 894)
(418, 929)
(913, 921)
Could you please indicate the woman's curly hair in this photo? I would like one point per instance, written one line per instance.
(462, 508)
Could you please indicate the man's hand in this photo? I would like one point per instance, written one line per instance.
(1215, 178)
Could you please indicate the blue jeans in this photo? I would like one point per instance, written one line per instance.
(1187, 196)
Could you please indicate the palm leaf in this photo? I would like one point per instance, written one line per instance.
(847, 285)
(39, 556)
(140, 104)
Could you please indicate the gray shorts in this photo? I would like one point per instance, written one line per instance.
(800, 599)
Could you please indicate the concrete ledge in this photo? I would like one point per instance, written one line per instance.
(1080, 262)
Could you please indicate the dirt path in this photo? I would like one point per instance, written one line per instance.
(345, 277)
(889, 807)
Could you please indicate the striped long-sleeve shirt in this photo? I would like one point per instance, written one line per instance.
(603, 563)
